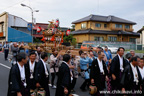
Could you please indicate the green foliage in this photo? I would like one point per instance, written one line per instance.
(70, 39)
(37, 40)
(73, 28)
(73, 42)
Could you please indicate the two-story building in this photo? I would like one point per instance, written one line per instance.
(104, 28)
(141, 31)
(11, 28)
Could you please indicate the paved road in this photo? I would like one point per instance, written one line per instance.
(4, 73)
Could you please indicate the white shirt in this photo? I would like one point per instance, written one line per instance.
(46, 70)
(121, 63)
(100, 65)
(22, 71)
(127, 60)
(31, 66)
(142, 72)
(135, 73)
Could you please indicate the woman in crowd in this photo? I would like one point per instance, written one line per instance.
(14, 50)
(91, 58)
(73, 70)
(84, 62)
(21, 47)
(54, 65)
(108, 55)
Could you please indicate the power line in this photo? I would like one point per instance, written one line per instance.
(12, 5)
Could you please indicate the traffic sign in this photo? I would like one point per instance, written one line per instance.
(29, 26)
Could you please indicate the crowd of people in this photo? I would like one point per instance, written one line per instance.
(98, 68)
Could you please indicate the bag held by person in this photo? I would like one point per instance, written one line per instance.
(92, 89)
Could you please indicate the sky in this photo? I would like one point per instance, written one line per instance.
(68, 11)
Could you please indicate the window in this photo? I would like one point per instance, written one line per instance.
(1, 27)
(111, 38)
(99, 38)
(127, 26)
(118, 26)
(132, 40)
(83, 26)
(105, 25)
(98, 25)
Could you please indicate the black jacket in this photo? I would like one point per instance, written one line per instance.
(64, 79)
(40, 75)
(128, 78)
(127, 62)
(95, 73)
(14, 82)
(31, 83)
(115, 69)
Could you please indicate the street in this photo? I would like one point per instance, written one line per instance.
(4, 73)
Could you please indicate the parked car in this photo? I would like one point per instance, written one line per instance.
(86, 45)
(111, 48)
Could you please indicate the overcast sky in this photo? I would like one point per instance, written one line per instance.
(70, 10)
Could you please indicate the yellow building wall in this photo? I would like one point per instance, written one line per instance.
(102, 26)
(91, 25)
(111, 36)
(81, 38)
(78, 26)
(92, 36)
(110, 26)
(4, 18)
(123, 26)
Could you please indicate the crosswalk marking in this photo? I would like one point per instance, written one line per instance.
(5, 66)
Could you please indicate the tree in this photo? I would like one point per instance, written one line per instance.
(70, 39)
(73, 28)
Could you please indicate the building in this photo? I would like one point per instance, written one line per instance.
(36, 35)
(104, 28)
(141, 31)
(13, 28)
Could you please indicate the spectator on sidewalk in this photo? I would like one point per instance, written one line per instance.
(108, 55)
(132, 52)
(6, 50)
(14, 50)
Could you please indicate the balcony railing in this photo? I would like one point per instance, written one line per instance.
(129, 30)
(116, 29)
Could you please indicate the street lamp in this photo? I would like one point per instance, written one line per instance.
(32, 11)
